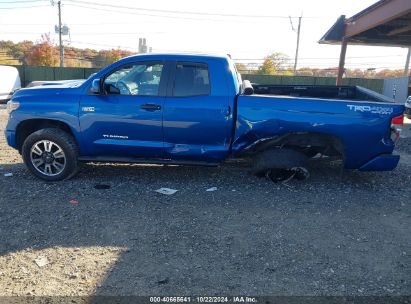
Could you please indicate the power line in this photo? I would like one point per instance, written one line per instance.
(94, 8)
(143, 14)
(24, 1)
(182, 12)
(135, 13)
(20, 7)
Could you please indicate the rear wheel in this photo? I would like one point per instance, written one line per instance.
(281, 164)
(50, 154)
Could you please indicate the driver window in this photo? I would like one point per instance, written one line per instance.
(141, 79)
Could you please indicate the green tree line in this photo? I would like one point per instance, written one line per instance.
(45, 53)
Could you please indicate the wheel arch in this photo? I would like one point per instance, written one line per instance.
(29, 126)
(330, 143)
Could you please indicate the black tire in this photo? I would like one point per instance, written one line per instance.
(60, 139)
(278, 159)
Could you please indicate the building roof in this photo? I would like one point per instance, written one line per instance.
(385, 23)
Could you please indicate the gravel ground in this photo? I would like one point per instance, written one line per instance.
(338, 233)
(404, 145)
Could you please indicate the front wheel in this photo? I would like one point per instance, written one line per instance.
(51, 154)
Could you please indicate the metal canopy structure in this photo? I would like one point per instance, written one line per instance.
(385, 23)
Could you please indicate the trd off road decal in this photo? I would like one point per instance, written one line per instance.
(371, 109)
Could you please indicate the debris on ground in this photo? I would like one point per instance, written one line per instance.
(211, 189)
(8, 174)
(166, 191)
(73, 201)
(163, 282)
(41, 261)
(102, 186)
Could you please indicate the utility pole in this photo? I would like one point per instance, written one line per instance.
(298, 41)
(60, 39)
(59, 29)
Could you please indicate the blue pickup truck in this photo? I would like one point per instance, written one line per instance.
(196, 110)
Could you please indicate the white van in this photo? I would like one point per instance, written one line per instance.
(9, 82)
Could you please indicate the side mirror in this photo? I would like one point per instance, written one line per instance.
(95, 86)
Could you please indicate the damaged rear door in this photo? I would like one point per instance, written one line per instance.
(197, 118)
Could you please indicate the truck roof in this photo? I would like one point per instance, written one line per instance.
(177, 56)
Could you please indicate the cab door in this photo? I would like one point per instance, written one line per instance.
(125, 118)
(197, 118)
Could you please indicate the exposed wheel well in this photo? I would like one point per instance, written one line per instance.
(326, 144)
(30, 126)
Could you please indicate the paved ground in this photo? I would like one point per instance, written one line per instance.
(339, 233)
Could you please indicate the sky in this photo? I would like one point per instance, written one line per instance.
(247, 30)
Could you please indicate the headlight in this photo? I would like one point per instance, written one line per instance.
(12, 105)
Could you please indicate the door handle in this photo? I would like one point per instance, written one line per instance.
(150, 107)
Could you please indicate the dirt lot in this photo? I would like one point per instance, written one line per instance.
(339, 233)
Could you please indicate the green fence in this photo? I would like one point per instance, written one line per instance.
(32, 73)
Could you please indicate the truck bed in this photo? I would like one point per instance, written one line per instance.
(351, 93)
(363, 128)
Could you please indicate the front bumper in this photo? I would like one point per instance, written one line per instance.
(383, 162)
(11, 138)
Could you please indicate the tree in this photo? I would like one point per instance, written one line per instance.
(20, 50)
(43, 53)
(274, 64)
(241, 67)
(106, 57)
(305, 72)
(390, 73)
(113, 56)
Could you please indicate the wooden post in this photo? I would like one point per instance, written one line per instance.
(344, 43)
(407, 63)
